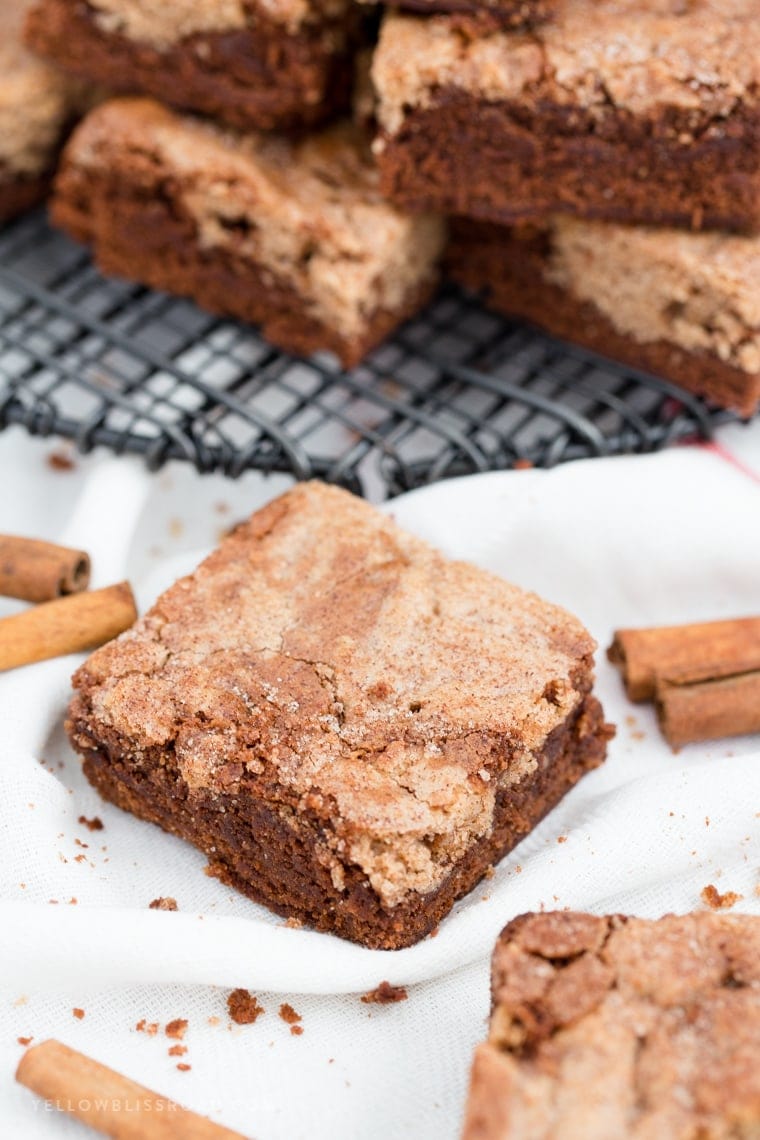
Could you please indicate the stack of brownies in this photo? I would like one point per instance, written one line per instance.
(600, 160)
(255, 194)
(604, 157)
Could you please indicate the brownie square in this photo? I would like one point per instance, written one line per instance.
(36, 105)
(251, 64)
(680, 305)
(352, 727)
(290, 234)
(613, 109)
(621, 1027)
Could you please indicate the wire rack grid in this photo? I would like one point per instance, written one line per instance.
(457, 390)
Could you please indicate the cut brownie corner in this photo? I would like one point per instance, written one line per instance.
(351, 726)
(615, 1026)
(289, 234)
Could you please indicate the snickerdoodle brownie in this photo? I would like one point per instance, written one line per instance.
(36, 105)
(290, 234)
(627, 110)
(351, 726)
(255, 64)
(621, 1029)
(684, 306)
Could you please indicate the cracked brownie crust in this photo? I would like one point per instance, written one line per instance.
(621, 1027)
(682, 306)
(290, 235)
(253, 65)
(612, 109)
(351, 727)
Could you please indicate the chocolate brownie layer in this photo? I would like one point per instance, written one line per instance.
(351, 726)
(613, 109)
(19, 194)
(682, 306)
(243, 63)
(36, 106)
(293, 236)
(484, 14)
(620, 1027)
(277, 861)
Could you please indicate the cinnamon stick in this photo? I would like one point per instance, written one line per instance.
(721, 648)
(36, 571)
(107, 1101)
(67, 625)
(707, 704)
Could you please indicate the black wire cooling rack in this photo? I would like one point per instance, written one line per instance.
(456, 391)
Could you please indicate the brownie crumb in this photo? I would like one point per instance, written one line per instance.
(177, 1050)
(25, 1040)
(288, 1014)
(385, 994)
(149, 1027)
(561, 839)
(712, 897)
(78, 1013)
(243, 1007)
(296, 1030)
(60, 461)
(94, 824)
(184, 1067)
(162, 903)
(177, 1028)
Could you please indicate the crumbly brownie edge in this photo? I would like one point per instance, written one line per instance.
(526, 162)
(257, 79)
(20, 194)
(149, 238)
(508, 273)
(271, 855)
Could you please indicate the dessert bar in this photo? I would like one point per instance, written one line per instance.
(621, 1027)
(351, 726)
(681, 305)
(36, 104)
(250, 63)
(292, 235)
(624, 110)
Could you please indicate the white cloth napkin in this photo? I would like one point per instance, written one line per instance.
(667, 538)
